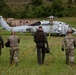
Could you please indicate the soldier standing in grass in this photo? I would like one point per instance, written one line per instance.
(40, 40)
(1, 44)
(14, 49)
(69, 43)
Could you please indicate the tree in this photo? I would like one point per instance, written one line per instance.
(37, 2)
(57, 8)
(5, 9)
(2, 5)
(75, 1)
(69, 1)
(57, 2)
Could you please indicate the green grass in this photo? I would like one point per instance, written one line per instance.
(54, 65)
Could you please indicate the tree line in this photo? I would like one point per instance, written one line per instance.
(38, 9)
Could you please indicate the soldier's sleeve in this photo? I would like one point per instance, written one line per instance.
(74, 42)
(63, 43)
(2, 42)
(35, 36)
(45, 37)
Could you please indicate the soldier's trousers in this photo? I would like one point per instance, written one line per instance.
(40, 55)
(70, 55)
(14, 53)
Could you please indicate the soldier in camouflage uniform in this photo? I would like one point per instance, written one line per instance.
(14, 49)
(69, 43)
(1, 43)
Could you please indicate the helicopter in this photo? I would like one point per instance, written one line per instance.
(53, 28)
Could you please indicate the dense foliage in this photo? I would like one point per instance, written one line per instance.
(38, 9)
(37, 2)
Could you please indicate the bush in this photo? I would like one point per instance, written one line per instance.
(37, 2)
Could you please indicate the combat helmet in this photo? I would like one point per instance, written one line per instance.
(70, 31)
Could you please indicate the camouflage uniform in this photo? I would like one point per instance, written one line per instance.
(14, 53)
(68, 43)
(14, 49)
(1, 43)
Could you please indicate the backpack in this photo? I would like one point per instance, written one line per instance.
(39, 36)
(7, 44)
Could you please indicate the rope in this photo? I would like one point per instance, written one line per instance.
(24, 53)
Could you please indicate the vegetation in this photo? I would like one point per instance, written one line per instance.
(37, 2)
(37, 8)
(54, 65)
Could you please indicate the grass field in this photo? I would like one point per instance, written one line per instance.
(53, 65)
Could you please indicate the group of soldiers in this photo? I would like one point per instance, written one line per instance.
(40, 38)
(68, 44)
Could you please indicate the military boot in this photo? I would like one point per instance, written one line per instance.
(72, 64)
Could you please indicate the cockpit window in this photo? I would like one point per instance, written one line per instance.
(35, 24)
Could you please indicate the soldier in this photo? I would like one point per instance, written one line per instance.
(14, 49)
(40, 40)
(69, 43)
(1, 43)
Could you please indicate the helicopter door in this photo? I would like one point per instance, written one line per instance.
(59, 28)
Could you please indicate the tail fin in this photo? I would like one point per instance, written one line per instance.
(4, 24)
